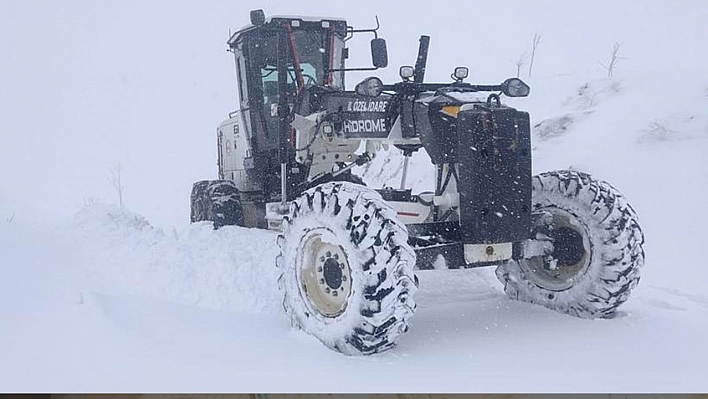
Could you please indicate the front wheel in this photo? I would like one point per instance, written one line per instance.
(597, 248)
(347, 269)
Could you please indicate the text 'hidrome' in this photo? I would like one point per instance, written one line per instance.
(365, 126)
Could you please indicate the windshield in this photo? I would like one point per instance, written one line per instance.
(314, 53)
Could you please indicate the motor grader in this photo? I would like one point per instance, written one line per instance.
(349, 252)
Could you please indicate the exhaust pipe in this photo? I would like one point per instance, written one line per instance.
(422, 60)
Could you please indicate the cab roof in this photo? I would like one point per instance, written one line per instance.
(297, 22)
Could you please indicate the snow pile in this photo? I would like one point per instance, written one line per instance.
(123, 254)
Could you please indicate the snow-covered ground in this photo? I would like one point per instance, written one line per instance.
(94, 297)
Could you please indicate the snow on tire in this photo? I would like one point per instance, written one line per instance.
(347, 269)
(597, 252)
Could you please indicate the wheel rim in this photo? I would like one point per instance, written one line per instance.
(325, 274)
(571, 256)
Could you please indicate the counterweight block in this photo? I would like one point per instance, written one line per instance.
(494, 163)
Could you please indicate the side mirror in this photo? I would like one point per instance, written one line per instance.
(515, 87)
(379, 54)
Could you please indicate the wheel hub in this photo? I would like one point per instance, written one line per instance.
(570, 258)
(332, 273)
(567, 246)
(325, 275)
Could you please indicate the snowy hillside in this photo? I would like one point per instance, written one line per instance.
(95, 297)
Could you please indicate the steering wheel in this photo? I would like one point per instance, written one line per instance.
(309, 80)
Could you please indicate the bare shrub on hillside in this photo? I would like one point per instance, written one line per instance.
(658, 130)
(520, 62)
(535, 42)
(610, 67)
(114, 177)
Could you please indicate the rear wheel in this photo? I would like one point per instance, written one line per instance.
(347, 269)
(217, 201)
(597, 248)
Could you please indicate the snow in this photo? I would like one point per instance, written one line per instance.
(98, 298)
(196, 265)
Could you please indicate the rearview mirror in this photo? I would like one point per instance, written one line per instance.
(515, 87)
(379, 54)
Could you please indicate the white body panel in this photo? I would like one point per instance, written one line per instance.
(328, 149)
(410, 212)
(475, 253)
(234, 151)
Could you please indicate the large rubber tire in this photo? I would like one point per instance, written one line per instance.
(344, 177)
(351, 177)
(216, 201)
(597, 252)
(347, 269)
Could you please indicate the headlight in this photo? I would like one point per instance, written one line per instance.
(370, 87)
(461, 73)
(515, 87)
(406, 72)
